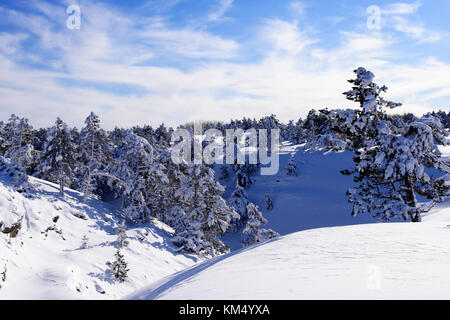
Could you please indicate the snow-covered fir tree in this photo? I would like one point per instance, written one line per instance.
(192, 238)
(176, 218)
(3, 139)
(95, 154)
(18, 134)
(84, 242)
(120, 267)
(239, 201)
(172, 208)
(57, 161)
(254, 231)
(243, 174)
(141, 179)
(224, 173)
(291, 167)
(268, 203)
(207, 213)
(390, 169)
(17, 173)
(443, 116)
(371, 119)
(122, 239)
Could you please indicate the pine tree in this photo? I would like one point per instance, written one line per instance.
(122, 241)
(84, 242)
(3, 139)
(18, 135)
(176, 218)
(207, 213)
(371, 119)
(171, 209)
(191, 239)
(224, 174)
(268, 202)
(291, 167)
(253, 231)
(95, 154)
(239, 201)
(243, 174)
(143, 179)
(57, 161)
(18, 175)
(120, 267)
(390, 168)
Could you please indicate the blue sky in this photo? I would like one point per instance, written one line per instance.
(173, 61)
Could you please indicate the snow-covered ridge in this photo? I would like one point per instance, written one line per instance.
(45, 260)
(377, 261)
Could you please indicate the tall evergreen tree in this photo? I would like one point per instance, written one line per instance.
(57, 161)
(390, 168)
(120, 267)
(143, 179)
(18, 135)
(239, 201)
(95, 154)
(291, 167)
(207, 213)
(253, 231)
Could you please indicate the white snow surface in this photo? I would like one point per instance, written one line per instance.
(376, 261)
(49, 265)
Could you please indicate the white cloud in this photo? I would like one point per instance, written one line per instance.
(188, 42)
(285, 37)
(395, 16)
(295, 74)
(415, 30)
(299, 8)
(10, 43)
(219, 13)
(402, 8)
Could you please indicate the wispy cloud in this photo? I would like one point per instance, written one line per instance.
(298, 7)
(415, 30)
(402, 8)
(222, 7)
(136, 69)
(396, 15)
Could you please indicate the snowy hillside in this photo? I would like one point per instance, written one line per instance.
(45, 260)
(313, 199)
(378, 261)
(371, 261)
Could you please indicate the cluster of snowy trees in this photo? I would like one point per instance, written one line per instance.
(443, 116)
(396, 166)
(135, 165)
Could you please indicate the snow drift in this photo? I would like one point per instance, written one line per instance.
(377, 261)
(45, 260)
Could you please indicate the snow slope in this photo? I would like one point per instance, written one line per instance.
(377, 261)
(50, 264)
(316, 198)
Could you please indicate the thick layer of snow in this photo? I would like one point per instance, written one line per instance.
(370, 261)
(377, 261)
(52, 264)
